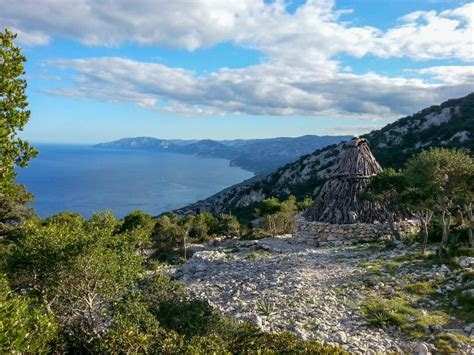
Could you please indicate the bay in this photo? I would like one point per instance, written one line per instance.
(85, 179)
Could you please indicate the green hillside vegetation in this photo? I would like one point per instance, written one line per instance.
(75, 285)
(414, 141)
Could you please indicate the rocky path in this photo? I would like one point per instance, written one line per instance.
(283, 285)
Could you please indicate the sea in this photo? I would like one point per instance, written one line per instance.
(85, 179)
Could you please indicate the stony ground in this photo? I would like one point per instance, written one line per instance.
(287, 284)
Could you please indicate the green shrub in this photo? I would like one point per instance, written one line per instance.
(420, 288)
(25, 327)
(397, 312)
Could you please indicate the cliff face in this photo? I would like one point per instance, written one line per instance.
(449, 125)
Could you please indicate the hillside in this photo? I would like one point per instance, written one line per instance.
(450, 125)
(260, 156)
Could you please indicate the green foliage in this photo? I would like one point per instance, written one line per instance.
(136, 219)
(305, 204)
(25, 327)
(170, 231)
(448, 343)
(67, 219)
(269, 206)
(278, 217)
(249, 340)
(93, 293)
(13, 114)
(228, 225)
(383, 313)
(14, 152)
(386, 187)
(187, 317)
(440, 174)
(422, 288)
(133, 330)
(167, 233)
(77, 270)
(13, 208)
(265, 307)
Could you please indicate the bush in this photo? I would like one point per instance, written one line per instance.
(136, 219)
(25, 327)
(397, 312)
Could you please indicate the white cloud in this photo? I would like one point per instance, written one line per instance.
(265, 89)
(300, 75)
(312, 34)
(431, 35)
(178, 23)
(31, 38)
(451, 74)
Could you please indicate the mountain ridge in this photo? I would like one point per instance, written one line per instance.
(259, 156)
(450, 125)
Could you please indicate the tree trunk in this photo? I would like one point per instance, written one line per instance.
(471, 225)
(446, 226)
(425, 219)
(393, 228)
(183, 247)
(424, 235)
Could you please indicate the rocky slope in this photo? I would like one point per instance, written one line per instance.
(288, 284)
(260, 156)
(450, 124)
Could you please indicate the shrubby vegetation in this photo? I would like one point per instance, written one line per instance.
(437, 182)
(277, 217)
(75, 285)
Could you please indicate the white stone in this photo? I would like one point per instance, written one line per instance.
(421, 349)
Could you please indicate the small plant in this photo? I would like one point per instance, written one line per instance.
(420, 288)
(265, 307)
(383, 313)
(257, 254)
(449, 342)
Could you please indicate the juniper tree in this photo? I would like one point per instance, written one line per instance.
(442, 176)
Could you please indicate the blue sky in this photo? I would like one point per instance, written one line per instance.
(99, 70)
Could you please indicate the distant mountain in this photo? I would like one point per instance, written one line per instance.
(450, 125)
(260, 156)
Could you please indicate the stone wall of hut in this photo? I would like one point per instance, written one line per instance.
(338, 234)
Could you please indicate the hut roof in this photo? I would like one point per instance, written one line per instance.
(339, 200)
(357, 161)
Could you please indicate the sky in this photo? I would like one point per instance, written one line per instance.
(100, 70)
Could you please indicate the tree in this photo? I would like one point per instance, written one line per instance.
(77, 272)
(228, 225)
(469, 204)
(388, 187)
(24, 326)
(441, 176)
(137, 219)
(167, 233)
(305, 204)
(278, 217)
(13, 208)
(268, 213)
(14, 152)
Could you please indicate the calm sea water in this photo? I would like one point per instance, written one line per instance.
(85, 179)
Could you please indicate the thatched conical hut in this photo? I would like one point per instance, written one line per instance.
(339, 200)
